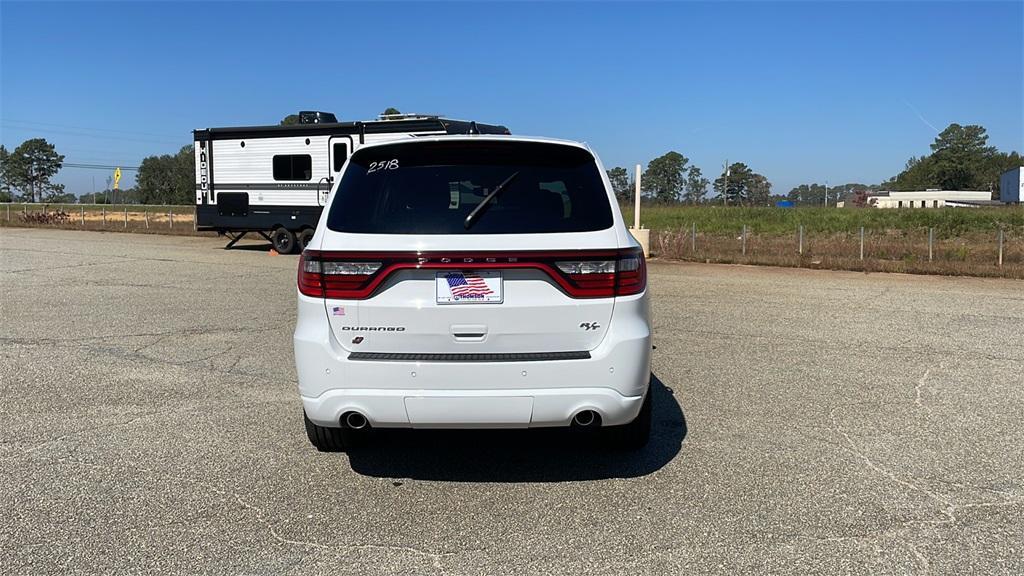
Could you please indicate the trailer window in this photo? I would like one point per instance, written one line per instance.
(293, 167)
(340, 155)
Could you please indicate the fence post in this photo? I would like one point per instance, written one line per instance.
(693, 238)
(744, 239)
(126, 216)
(195, 218)
(83, 215)
(1000, 247)
(170, 217)
(931, 241)
(146, 213)
(862, 243)
(8, 212)
(104, 210)
(801, 248)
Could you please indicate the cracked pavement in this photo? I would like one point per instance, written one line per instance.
(806, 422)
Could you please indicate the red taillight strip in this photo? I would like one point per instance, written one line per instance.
(575, 285)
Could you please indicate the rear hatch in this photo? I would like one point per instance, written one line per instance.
(487, 249)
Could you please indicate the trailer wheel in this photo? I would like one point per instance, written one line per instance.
(304, 237)
(283, 240)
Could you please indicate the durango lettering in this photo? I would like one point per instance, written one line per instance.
(374, 328)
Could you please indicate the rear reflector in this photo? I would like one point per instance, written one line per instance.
(470, 356)
(580, 274)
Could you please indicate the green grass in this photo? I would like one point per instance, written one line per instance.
(948, 222)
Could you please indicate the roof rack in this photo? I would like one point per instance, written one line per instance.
(409, 116)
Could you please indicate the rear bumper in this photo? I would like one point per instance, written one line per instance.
(612, 382)
(518, 408)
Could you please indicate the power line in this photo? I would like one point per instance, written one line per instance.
(97, 166)
(68, 126)
(33, 130)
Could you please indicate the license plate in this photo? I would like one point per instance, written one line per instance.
(468, 287)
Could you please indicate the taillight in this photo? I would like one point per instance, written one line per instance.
(321, 276)
(631, 273)
(603, 278)
(580, 273)
(589, 278)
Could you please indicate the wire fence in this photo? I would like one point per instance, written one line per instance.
(124, 217)
(983, 253)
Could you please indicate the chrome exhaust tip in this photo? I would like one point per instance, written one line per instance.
(586, 419)
(355, 420)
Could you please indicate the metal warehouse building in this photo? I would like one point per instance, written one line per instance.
(930, 199)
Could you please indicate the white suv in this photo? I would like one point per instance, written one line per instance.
(473, 282)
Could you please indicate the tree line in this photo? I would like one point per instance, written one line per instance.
(960, 159)
(25, 173)
(671, 178)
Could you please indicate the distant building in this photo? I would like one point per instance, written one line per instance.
(931, 199)
(1011, 185)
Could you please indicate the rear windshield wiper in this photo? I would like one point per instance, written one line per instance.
(482, 206)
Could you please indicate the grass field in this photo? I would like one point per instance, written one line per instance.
(947, 222)
(959, 241)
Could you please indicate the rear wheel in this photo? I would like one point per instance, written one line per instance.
(633, 436)
(303, 238)
(283, 240)
(328, 439)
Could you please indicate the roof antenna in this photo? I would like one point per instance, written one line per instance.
(472, 128)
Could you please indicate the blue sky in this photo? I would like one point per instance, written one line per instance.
(801, 92)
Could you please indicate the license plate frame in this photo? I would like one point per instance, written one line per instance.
(491, 290)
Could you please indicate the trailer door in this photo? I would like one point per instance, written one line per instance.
(339, 149)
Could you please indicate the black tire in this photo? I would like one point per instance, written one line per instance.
(633, 436)
(283, 241)
(328, 439)
(303, 238)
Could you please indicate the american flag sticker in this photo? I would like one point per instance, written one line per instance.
(464, 286)
(337, 311)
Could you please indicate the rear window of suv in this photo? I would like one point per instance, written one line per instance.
(431, 187)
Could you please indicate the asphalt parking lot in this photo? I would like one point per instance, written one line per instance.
(806, 422)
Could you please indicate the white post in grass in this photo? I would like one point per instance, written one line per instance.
(642, 235)
(636, 200)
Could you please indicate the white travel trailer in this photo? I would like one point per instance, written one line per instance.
(274, 180)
